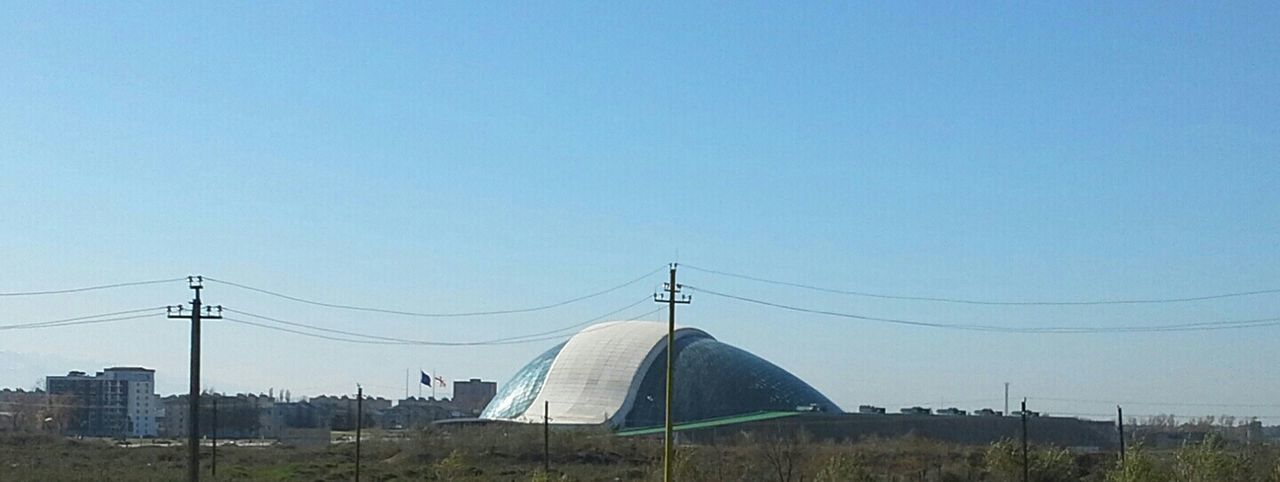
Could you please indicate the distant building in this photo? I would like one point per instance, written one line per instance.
(870, 409)
(1272, 432)
(245, 415)
(173, 419)
(473, 395)
(115, 402)
(952, 412)
(987, 412)
(342, 410)
(916, 411)
(284, 420)
(417, 412)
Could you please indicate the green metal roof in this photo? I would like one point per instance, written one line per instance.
(709, 423)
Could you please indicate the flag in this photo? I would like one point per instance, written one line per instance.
(441, 381)
(426, 379)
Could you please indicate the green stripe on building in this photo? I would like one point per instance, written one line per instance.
(709, 423)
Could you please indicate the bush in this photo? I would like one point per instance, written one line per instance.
(1209, 461)
(1045, 464)
(842, 468)
(1138, 466)
(455, 466)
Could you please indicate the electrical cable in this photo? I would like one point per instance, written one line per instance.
(575, 325)
(313, 335)
(436, 315)
(82, 320)
(568, 335)
(984, 302)
(1200, 326)
(385, 340)
(90, 288)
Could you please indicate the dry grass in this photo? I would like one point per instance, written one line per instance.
(514, 452)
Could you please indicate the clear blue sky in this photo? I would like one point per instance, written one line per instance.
(441, 157)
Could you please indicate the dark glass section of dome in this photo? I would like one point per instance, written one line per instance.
(516, 395)
(713, 379)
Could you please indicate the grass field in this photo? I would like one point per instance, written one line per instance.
(515, 453)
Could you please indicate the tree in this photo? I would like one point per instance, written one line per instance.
(784, 454)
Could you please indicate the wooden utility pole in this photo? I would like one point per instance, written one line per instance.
(546, 437)
(1120, 427)
(672, 299)
(1006, 399)
(213, 435)
(359, 423)
(1026, 467)
(197, 312)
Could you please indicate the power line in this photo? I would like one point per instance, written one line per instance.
(398, 341)
(435, 315)
(313, 335)
(563, 336)
(90, 322)
(575, 325)
(354, 337)
(90, 288)
(986, 302)
(1199, 326)
(84, 320)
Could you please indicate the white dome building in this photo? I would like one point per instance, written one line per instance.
(614, 373)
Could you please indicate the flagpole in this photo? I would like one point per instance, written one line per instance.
(419, 385)
(407, 376)
(433, 383)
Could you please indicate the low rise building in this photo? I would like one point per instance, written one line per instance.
(418, 412)
(116, 402)
(285, 420)
(471, 396)
(916, 411)
(342, 410)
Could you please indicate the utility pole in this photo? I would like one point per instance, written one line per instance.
(1026, 468)
(1120, 427)
(546, 438)
(672, 299)
(1006, 399)
(359, 420)
(213, 431)
(197, 312)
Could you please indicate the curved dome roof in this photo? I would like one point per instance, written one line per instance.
(615, 373)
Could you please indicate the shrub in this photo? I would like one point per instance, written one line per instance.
(453, 467)
(1209, 461)
(1138, 466)
(842, 468)
(1045, 464)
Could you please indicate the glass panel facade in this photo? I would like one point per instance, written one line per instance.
(713, 379)
(515, 396)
